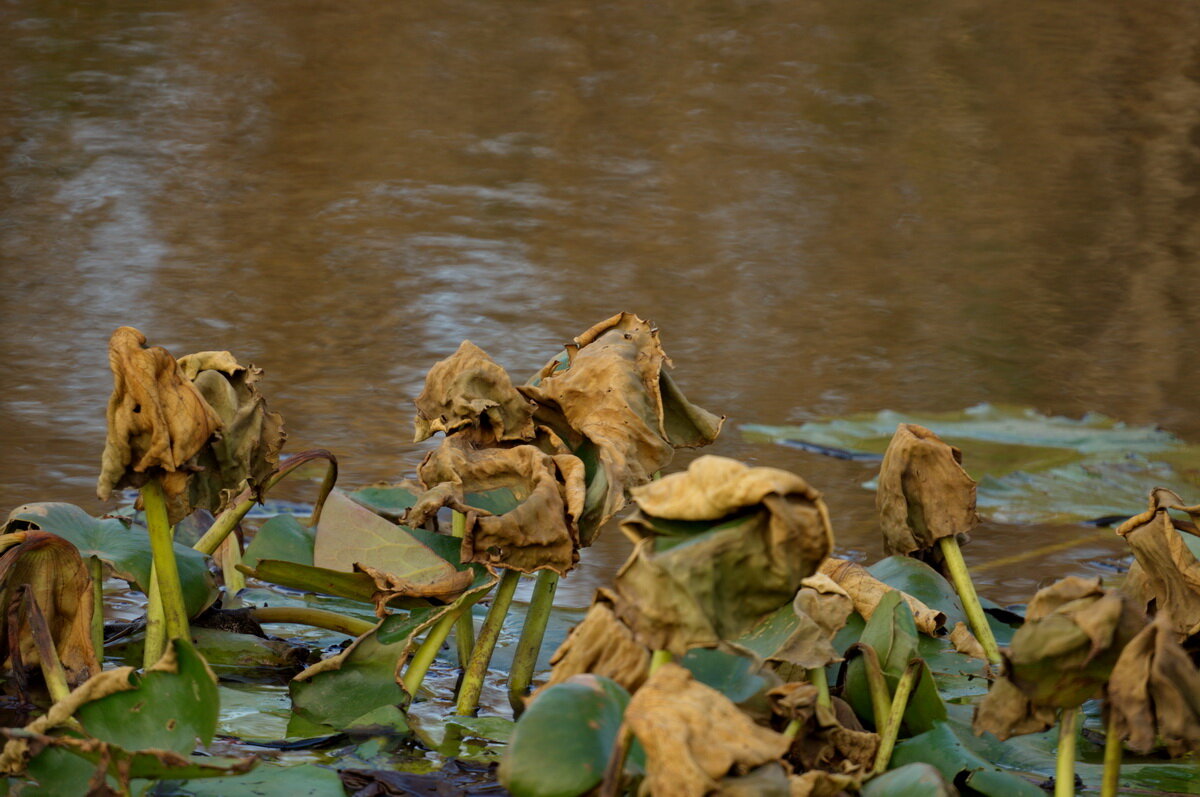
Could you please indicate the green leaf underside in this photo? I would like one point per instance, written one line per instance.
(283, 538)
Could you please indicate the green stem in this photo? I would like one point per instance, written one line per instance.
(485, 644)
(792, 730)
(156, 623)
(1112, 758)
(881, 696)
(818, 679)
(970, 601)
(52, 669)
(317, 618)
(659, 658)
(96, 570)
(1064, 770)
(222, 526)
(529, 647)
(162, 547)
(891, 729)
(464, 629)
(419, 664)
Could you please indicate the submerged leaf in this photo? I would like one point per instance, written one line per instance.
(157, 421)
(541, 531)
(50, 571)
(720, 546)
(1169, 570)
(246, 451)
(924, 494)
(867, 591)
(1154, 692)
(468, 391)
(619, 410)
(694, 736)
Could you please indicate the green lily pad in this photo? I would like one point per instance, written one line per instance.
(942, 748)
(736, 677)
(911, 780)
(390, 502)
(563, 741)
(282, 538)
(304, 780)
(1032, 468)
(123, 547)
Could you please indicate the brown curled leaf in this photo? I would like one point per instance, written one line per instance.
(830, 738)
(866, 591)
(601, 645)
(924, 494)
(694, 736)
(1005, 711)
(965, 642)
(540, 532)
(157, 421)
(1154, 692)
(616, 406)
(56, 578)
(246, 451)
(753, 535)
(822, 608)
(1168, 572)
(469, 392)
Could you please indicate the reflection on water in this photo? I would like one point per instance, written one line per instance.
(827, 207)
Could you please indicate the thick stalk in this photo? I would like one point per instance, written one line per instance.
(1064, 769)
(659, 658)
(162, 548)
(485, 644)
(529, 647)
(818, 679)
(317, 618)
(891, 729)
(1112, 758)
(96, 571)
(970, 601)
(464, 629)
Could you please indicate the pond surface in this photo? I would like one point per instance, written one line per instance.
(827, 208)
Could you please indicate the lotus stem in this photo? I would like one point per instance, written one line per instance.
(891, 729)
(1064, 769)
(966, 593)
(166, 575)
(464, 629)
(529, 647)
(317, 618)
(614, 770)
(52, 669)
(230, 554)
(792, 730)
(156, 623)
(881, 696)
(659, 658)
(485, 644)
(419, 664)
(1112, 758)
(96, 571)
(817, 678)
(226, 522)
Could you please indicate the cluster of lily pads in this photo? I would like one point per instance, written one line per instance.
(732, 654)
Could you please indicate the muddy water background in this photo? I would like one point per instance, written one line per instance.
(826, 207)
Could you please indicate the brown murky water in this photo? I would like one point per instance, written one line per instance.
(827, 207)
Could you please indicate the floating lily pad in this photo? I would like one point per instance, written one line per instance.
(282, 538)
(305, 780)
(1032, 468)
(911, 780)
(123, 547)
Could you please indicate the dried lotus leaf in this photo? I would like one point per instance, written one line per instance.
(822, 608)
(924, 494)
(246, 451)
(1168, 573)
(867, 591)
(1005, 711)
(601, 645)
(1154, 692)
(157, 421)
(468, 391)
(540, 532)
(694, 736)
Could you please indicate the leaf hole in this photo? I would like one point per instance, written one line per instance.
(171, 723)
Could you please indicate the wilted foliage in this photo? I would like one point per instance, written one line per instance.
(601, 645)
(866, 591)
(822, 608)
(1168, 576)
(830, 738)
(468, 392)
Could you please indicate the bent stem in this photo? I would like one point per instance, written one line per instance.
(96, 571)
(966, 593)
(228, 520)
(485, 644)
(1112, 758)
(529, 647)
(1064, 769)
(317, 618)
(891, 729)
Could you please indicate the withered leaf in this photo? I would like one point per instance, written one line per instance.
(540, 532)
(245, 452)
(1154, 691)
(822, 608)
(866, 591)
(56, 577)
(753, 535)
(469, 392)
(830, 738)
(1169, 573)
(924, 494)
(1073, 633)
(694, 736)
(601, 645)
(614, 395)
(1005, 711)
(965, 642)
(157, 421)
